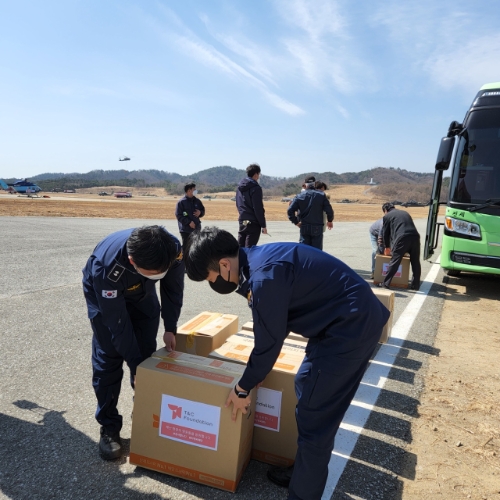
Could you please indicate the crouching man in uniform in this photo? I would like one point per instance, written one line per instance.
(119, 287)
(294, 287)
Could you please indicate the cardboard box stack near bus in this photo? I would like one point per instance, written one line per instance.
(402, 276)
(205, 332)
(275, 433)
(180, 426)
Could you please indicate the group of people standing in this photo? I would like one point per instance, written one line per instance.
(288, 286)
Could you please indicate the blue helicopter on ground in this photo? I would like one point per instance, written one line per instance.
(23, 186)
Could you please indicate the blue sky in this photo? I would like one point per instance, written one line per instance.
(185, 85)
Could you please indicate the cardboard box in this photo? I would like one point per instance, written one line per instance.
(248, 326)
(387, 298)
(180, 425)
(205, 332)
(402, 276)
(275, 433)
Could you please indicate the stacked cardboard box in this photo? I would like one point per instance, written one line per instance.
(402, 275)
(275, 433)
(387, 298)
(180, 425)
(205, 332)
(248, 327)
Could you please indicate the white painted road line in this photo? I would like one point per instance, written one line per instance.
(372, 383)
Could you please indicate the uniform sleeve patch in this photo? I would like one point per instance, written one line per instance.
(110, 294)
(116, 273)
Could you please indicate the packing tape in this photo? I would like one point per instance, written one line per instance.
(190, 343)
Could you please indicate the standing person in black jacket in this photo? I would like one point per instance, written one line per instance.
(250, 208)
(401, 236)
(310, 205)
(189, 211)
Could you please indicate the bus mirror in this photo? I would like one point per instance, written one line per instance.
(444, 154)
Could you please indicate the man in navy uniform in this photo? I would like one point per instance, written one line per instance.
(250, 207)
(310, 205)
(119, 288)
(294, 287)
(189, 211)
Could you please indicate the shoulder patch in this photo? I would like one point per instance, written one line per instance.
(179, 256)
(116, 273)
(249, 298)
(110, 294)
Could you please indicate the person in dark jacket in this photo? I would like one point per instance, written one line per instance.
(377, 247)
(119, 288)
(294, 287)
(400, 235)
(310, 205)
(250, 208)
(189, 211)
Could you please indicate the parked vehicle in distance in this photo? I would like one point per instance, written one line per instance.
(123, 194)
(103, 193)
(70, 190)
(57, 190)
(286, 199)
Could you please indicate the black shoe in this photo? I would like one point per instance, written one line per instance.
(381, 285)
(280, 475)
(415, 287)
(110, 445)
(371, 276)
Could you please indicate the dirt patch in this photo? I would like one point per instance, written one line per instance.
(456, 439)
(152, 207)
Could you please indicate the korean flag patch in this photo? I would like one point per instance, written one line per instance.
(109, 294)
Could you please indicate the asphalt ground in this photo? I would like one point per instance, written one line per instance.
(48, 434)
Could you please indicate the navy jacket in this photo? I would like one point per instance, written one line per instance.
(184, 212)
(249, 202)
(311, 204)
(294, 287)
(111, 285)
(398, 224)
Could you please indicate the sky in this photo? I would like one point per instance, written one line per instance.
(294, 85)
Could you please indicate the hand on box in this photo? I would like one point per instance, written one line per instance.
(242, 404)
(169, 339)
(387, 251)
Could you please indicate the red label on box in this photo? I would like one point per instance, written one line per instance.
(188, 435)
(266, 421)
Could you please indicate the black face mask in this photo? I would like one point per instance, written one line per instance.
(220, 285)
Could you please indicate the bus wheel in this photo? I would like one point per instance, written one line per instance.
(452, 272)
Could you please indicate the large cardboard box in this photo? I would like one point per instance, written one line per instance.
(387, 298)
(248, 327)
(402, 276)
(180, 425)
(275, 433)
(205, 332)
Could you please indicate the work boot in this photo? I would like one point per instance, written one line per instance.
(280, 475)
(110, 445)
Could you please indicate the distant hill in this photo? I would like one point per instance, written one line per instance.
(226, 178)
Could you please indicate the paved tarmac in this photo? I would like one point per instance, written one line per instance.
(48, 435)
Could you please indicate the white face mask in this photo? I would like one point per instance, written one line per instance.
(195, 192)
(152, 276)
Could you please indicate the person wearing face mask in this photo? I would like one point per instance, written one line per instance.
(189, 211)
(250, 207)
(295, 287)
(119, 288)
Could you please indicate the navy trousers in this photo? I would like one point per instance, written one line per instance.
(249, 235)
(107, 365)
(311, 235)
(325, 387)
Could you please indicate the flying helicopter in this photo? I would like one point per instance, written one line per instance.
(123, 158)
(23, 186)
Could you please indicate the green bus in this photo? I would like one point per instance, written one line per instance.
(471, 153)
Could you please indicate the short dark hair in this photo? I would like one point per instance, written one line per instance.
(386, 207)
(205, 248)
(320, 185)
(188, 186)
(152, 248)
(253, 169)
(310, 179)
